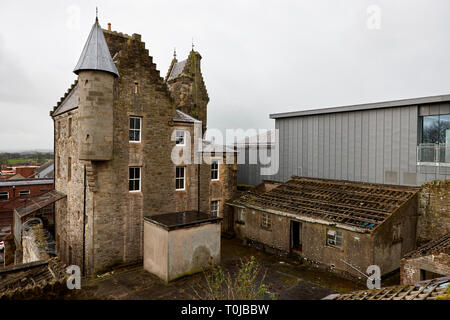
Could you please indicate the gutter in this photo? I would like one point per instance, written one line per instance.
(302, 218)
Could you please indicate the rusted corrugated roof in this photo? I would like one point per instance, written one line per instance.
(360, 205)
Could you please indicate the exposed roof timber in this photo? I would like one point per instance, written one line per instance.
(366, 106)
(359, 205)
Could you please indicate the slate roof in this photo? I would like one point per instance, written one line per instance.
(68, 102)
(177, 69)
(24, 182)
(95, 54)
(361, 206)
(183, 117)
(437, 246)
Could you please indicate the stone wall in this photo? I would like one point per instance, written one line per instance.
(189, 90)
(410, 269)
(114, 216)
(358, 249)
(34, 244)
(433, 211)
(223, 190)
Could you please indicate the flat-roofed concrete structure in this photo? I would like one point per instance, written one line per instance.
(402, 142)
(179, 244)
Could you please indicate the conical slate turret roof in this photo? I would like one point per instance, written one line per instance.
(96, 55)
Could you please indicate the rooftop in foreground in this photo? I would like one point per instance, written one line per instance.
(176, 220)
(362, 206)
(424, 290)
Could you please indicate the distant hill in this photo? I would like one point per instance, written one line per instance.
(25, 157)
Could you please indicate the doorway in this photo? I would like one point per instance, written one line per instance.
(296, 236)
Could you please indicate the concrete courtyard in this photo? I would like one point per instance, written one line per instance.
(286, 278)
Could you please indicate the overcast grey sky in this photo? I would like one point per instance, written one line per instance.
(259, 57)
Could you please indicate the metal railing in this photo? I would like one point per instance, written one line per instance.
(433, 154)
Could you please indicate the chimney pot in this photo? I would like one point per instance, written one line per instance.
(109, 26)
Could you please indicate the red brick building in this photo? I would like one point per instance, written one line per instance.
(14, 193)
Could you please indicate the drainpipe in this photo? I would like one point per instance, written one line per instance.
(198, 188)
(84, 223)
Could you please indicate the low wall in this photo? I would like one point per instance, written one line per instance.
(34, 244)
(410, 269)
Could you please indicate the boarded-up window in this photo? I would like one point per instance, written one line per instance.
(266, 221)
(241, 215)
(396, 232)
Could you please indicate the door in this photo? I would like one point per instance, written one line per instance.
(296, 236)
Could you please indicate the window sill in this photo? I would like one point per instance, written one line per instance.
(134, 141)
(334, 247)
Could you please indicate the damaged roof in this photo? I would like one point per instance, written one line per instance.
(361, 206)
(30, 275)
(437, 246)
(424, 290)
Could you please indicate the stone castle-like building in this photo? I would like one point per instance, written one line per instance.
(114, 132)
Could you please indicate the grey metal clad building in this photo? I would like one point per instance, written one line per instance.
(403, 142)
(250, 173)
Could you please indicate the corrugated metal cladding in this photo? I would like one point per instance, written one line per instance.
(377, 145)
